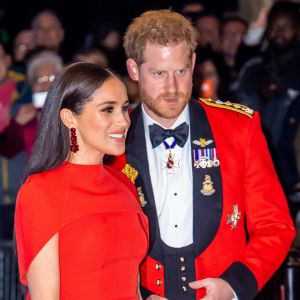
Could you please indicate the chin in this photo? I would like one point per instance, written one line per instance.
(117, 152)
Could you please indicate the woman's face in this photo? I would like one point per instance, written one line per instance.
(102, 125)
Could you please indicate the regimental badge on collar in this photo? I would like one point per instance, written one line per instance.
(234, 217)
(202, 142)
(207, 186)
(141, 196)
(130, 172)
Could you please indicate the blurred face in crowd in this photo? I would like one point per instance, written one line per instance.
(102, 125)
(283, 32)
(22, 44)
(232, 35)
(165, 80)
(208, 28)
(48, 32)
(44, 75)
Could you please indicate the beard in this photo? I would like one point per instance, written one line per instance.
(155, 105)
(283, 46)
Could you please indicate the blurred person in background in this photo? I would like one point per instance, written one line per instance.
(211, 78)
(107, 38)
(20, 134)
(191, 9)
(91, 55)
(208, 26)
(233, 30)
(22, 44)
(270, 83)
(48, 30)
(10, 175)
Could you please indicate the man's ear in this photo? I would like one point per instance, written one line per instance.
(132, 69)
(193, 60)
(68, 118)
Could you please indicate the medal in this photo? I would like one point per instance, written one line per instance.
(205, 158)
(170, 161)
(170, 164)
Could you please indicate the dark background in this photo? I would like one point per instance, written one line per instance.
(79, 16)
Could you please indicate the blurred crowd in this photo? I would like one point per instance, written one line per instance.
(252, 62)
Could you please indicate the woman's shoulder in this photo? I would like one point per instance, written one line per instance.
(43, 189)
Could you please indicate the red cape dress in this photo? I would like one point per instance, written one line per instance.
(103, 233)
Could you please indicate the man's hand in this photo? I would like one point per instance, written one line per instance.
(216, 289)
(155, 297)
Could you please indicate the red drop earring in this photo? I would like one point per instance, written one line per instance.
(74, 146)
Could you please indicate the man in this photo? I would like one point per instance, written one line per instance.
(205, 182)
(47, 30)
(270, 83)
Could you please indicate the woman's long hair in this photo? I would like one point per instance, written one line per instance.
(71, 89)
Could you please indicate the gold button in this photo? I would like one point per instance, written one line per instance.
(183, 278)
(182, 268)
(157, 266)
(182, 259)
(158, 282)
(184, 288)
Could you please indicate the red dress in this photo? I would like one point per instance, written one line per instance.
(103, 233)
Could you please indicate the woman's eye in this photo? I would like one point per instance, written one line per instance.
(126, 107)
(108, 109)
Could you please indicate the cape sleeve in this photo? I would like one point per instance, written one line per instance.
(38, 217)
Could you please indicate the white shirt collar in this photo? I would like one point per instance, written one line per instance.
(183, 117)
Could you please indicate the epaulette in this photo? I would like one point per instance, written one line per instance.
(240, 108)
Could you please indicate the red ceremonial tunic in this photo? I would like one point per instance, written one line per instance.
(103, 233)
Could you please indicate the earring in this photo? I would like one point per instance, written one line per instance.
(74, 146)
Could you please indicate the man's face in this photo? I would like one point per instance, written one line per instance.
(232, 35)
(282, 33)
(165, 81)
(47, 32)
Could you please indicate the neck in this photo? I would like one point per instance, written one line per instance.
(84, 159)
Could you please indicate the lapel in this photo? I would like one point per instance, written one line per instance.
(207, 209)
(136, 155)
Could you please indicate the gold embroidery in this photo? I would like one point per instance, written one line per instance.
(130, 172)
(240, 108)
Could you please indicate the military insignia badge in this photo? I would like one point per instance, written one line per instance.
(141, 196)
(234, 217)
(207, 186)
(130, 172)
(202, 142)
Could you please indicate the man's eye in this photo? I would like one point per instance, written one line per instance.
(159, 73)
(180, 71)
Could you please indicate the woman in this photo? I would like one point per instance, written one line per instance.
(80, 231)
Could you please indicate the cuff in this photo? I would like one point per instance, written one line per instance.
(241, 280)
